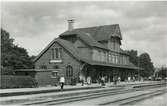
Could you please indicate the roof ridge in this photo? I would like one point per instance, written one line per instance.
(95, 26)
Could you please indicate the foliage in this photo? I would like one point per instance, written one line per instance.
(133, 57)
(162, 72)
(146, 64)
(143, 61)
(11, 81)
(7, 70)
(12, 56)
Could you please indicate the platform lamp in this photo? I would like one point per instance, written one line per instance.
(138, 69)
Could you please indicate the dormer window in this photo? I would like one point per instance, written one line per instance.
(72, 38)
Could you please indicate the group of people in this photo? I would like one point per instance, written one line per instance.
(116, 80)
(101, 80)
(88, 80)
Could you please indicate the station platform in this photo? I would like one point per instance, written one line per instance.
(30, 94)
(49, 89)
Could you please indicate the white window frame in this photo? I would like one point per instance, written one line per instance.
(54, 58)
(52, 74)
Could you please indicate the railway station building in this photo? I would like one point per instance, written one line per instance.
(79, 53)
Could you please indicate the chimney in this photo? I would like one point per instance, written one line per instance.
(70, 25)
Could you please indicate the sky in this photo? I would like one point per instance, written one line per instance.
(143, 25)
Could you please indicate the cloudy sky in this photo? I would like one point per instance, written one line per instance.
(143, 24)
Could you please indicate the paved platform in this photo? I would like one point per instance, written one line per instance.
(47, 89)
(55, 94)
(42, 92)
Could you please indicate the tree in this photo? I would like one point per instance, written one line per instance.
(146, 64)
(12, 56)
(142, 61)
(162, 72)
(133, 56)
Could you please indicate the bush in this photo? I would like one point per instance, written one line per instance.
(6, 71)
(13, 81)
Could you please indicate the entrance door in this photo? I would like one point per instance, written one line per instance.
(69, 74)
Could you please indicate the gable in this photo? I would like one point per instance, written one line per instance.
(65, 44)
(66, 58)
(117, 33)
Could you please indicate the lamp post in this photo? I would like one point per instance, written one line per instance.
(138, 70)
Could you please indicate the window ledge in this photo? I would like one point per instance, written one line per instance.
(53, 77)
(56, 61)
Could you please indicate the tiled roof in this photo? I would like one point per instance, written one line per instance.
(99, 33)
(92, 35)
(86, 37)
(69, 46)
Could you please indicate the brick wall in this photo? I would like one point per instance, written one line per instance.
(67, 59)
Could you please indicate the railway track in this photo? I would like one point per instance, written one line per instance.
(54, 95)
(134, 99)
(94, 95)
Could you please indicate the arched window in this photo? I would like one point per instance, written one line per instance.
(69, 71)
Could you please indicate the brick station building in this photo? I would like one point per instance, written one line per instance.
(84, 52)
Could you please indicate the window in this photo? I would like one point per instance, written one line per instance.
(114, 44)
(43, 67)
(53, 56)
(96, 55)
(116, 59)
(121, 59)
(127, 60)
(69, 71)
(102, 56)
(124, 60)
(56, 67)
(60, 52)
(54, 74)
(56, 53)
(109, 58)
(106, 57)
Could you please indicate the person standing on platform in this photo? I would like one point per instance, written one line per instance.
(102, 81)
(129, 78)
(89, 80)
(115, 80)
(82, 80)
(62, 81)
(133, 79)
(119, 79)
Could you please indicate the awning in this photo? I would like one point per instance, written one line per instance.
(95, 63)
